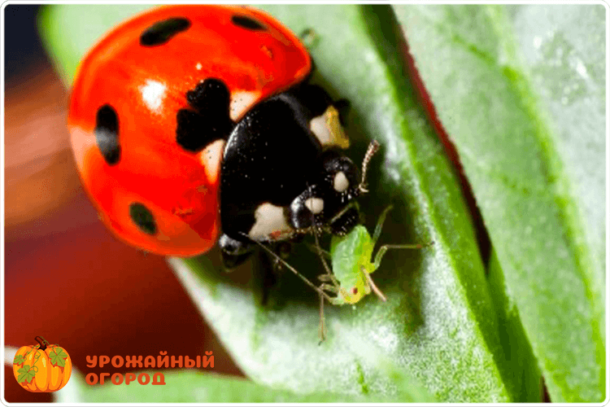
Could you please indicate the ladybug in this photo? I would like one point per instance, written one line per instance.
(192, 125)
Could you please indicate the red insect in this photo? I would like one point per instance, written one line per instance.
(186, 118)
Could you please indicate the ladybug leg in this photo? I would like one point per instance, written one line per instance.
(347, 221)
(283, 251)
(234, 252)
(232, 261)
(266, 274)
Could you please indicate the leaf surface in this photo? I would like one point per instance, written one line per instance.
(187, 386)
(521, 92)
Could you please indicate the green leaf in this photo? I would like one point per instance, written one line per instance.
(520, 362)
(58, 357)
(26, 375)
(189, 387)
(521, 92)
(19, 359)
(69, 31)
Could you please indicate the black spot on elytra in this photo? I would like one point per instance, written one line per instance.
(107, 134)
(209, 120)
(247, 23)
(161, 32)
(143, 218)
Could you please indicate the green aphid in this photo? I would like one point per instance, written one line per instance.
(352, 262)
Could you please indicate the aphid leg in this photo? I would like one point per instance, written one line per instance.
(334, 301)
(373, 285)
(370, 152)
(322, 328)
(383, 249)
(289, 267)
(328, 279)
(326, 266)
(330, 288)
(380, 222)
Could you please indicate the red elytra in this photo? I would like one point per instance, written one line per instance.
(146, 86)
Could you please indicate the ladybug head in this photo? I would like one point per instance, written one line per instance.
(330, 204)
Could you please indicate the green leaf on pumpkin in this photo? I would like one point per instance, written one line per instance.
(58, 357)
(19, 359)
(26, 374)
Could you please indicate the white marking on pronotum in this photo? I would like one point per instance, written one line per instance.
(340, 182)
(241, 102)
(211, 157)
(318, 127)
(153, 93)
(327, 129)
(269, 219)
(315, 205)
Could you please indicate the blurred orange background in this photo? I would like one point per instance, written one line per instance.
(66, 277)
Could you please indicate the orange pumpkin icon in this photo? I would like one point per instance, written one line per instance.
(42, 368)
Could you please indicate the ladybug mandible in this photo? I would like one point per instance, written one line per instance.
(186, 118)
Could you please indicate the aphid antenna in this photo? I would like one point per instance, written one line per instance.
(370, 152)
(289, 267)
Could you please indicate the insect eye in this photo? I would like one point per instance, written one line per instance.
(354, 290)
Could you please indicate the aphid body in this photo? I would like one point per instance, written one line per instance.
(351, 264)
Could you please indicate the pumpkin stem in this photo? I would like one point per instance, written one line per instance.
(42, 341)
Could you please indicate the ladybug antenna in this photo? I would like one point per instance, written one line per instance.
(370, 152)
